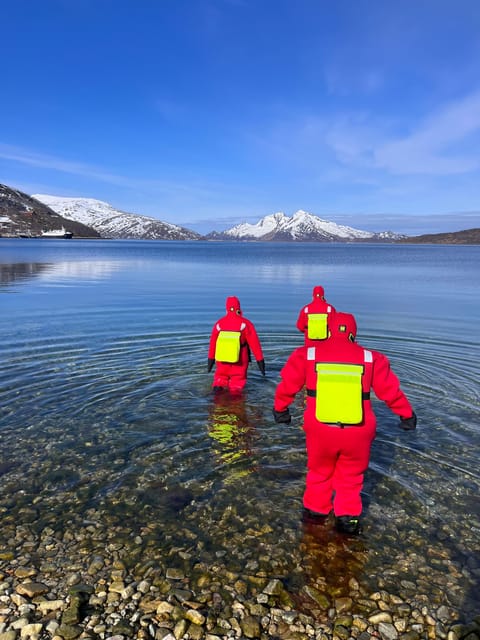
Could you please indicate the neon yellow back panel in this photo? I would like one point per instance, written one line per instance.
(339, 393)
(317, 326)
(227, 348)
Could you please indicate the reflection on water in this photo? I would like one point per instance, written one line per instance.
(331, 563)
(107, 416)
(81, 270)
(11, 273)
(57, 272)
(233, 433)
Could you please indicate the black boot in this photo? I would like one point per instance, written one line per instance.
(313, 517)
(348, 524)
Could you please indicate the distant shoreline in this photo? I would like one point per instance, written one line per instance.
(414, 240)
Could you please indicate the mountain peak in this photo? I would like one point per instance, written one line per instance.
(301, 226)
(301, 214)
(88, 216)
(113, 223)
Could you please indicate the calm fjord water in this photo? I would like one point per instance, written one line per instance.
(105, 403)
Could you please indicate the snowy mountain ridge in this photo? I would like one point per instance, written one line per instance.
(302, 226)
(113, 223)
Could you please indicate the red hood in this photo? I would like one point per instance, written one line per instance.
(318, 292)
(233, 305)
(343, 325)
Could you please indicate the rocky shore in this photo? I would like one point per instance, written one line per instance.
(89, 583)
(156, 542)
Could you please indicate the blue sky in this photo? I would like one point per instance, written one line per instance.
(206, 113)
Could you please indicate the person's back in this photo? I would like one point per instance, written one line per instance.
(232, 338)
(313, 318)
(339, 421)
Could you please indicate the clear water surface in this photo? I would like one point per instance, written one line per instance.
(106, 408)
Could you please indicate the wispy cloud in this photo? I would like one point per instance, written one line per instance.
(57, 164)
(445, 143)
(411, 224)
(353, 139)
(145, 194)
(45, 161)
(342, 82)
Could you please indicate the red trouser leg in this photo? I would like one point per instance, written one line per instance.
(221, 375)
(321, 457)
(238, 377)
(231, 376)
(238, 372)
(337, 460)
(350, 469)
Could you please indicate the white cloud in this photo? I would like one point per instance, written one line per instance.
(170, 199)
(342, 81)
(353, 139)
(45, 161)
(411, 224)
(446, 143)
(192, 189)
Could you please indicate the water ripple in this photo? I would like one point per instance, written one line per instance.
(126, 423)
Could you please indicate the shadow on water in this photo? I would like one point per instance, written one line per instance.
(332, 567)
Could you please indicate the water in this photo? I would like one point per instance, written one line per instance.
(106, 413)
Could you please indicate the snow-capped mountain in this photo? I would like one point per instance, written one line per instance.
(302, 226)
(112, 223)
(21, 215)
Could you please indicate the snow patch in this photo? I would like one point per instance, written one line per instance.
(111, 222)
(302, 225)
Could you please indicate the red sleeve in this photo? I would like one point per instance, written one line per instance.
(386, 386)
(293, 377)
(253, 340)
(302, 321)
(213, 341)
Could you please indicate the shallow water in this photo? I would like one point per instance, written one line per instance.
(106, 412)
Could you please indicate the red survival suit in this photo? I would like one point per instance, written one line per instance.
(313, 318)
(338, 453)
(231, 370)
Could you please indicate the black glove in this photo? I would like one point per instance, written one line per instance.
(261, 366)
(409, 424)
(282, 416)
(211, 362)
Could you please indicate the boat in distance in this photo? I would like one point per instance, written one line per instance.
(57, 233)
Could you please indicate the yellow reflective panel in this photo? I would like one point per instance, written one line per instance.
(227, 348)
(339, 393)
(317, 326)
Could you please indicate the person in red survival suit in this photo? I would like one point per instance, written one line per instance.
(232, 338)
(313, 318)
(339, 421)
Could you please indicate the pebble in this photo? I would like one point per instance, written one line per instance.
(31, 589)
(104, 578)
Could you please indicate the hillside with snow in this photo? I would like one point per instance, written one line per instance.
(113, 223)
(302, 227)
(88, 217)
(24, 216)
